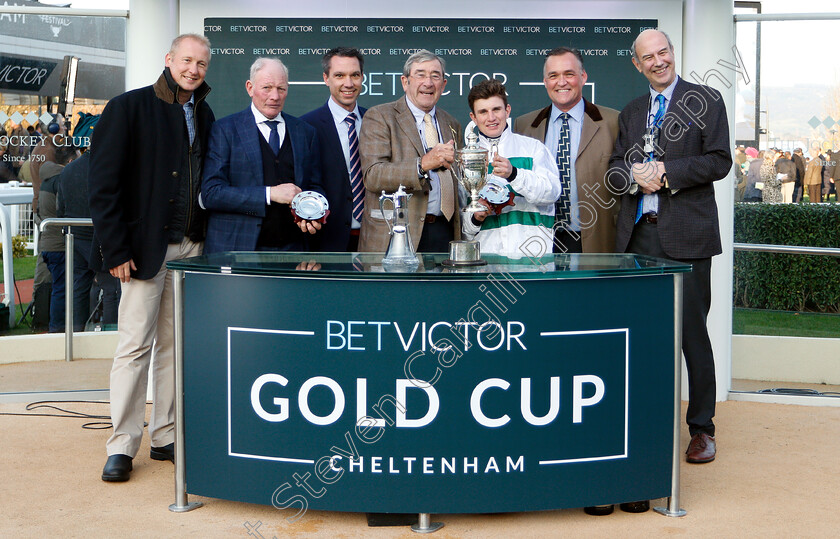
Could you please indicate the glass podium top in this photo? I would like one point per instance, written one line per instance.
(430, 266)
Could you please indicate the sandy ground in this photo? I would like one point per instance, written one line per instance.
(776, 475)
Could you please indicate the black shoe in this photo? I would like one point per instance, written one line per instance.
(598, 510)
(117, 468)
(166, 452)
(635, 507)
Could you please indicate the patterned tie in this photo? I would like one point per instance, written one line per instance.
(274, 136)
(357, 188)
(189, 116)
(660, 111)
(429, 131)
(562, 208)
(655, 125)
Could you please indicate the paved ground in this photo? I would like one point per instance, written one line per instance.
(776, 475)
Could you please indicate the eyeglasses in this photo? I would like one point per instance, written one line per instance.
(422, 76)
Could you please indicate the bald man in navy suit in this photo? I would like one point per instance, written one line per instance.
(257, 161)
(665, 164)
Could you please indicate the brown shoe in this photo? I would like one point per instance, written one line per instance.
(701, 449)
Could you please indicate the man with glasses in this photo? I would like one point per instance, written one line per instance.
(411, 142)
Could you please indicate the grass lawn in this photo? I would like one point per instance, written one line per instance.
(761, 322)
(831, 198)
(24, 267)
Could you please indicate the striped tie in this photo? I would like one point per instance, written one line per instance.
(356, 185)
(563, 206)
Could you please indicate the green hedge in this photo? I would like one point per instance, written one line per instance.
(788, 282)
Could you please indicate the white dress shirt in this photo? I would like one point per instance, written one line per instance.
(552, 139)
(339, 114)
(433, 206)
(650, 203)
(265, 131)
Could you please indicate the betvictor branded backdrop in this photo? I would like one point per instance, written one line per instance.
(511, 50)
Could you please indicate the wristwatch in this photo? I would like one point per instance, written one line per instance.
(421, 174)
(664, 180)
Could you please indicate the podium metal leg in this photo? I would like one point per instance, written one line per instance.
(673, 509)
(181, 505)
(68, 295)
(424, 524)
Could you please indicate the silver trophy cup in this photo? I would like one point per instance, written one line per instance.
(470, 169)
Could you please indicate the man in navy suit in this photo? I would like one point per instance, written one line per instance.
(257, 161)
(338, 123)
(673, 143)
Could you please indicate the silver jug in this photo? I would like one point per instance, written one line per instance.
(400, 253)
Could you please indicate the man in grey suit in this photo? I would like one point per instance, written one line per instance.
(592, 129)
(410, 142)
(673, 143)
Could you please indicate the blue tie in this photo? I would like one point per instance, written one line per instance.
(655, 125)
(563, 205)
(357, 188)
(274, 136)
(660, 111)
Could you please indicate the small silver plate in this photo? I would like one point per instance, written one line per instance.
(310, 205)
(495, 192)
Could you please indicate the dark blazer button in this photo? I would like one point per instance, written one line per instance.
(166, 227)
(174, 173)
(171, 200)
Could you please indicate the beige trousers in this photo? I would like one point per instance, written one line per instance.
(145, 337)
(787, 192)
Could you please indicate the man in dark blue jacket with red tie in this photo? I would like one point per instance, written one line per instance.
(338, 123)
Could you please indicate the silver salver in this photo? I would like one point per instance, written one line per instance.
(310, 205)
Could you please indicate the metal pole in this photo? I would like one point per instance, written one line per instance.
(425, 524)
(759, 17)
(68, 274)
(68, 295)
(673, 509)
(181, 505)
(8, 263)
(789, 249)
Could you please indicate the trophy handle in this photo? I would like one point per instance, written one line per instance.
(382, 198)
(454, 136)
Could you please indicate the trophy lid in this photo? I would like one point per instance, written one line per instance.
(472, 150)
(472, 140)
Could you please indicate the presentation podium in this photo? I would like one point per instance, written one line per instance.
(323, 381)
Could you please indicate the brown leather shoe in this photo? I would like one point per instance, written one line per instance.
(701, 449)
